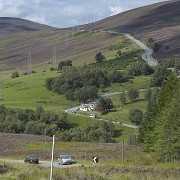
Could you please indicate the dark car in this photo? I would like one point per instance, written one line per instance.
(33, 160)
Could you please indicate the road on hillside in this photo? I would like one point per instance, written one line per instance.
(46, 164)
(119, 123)
(74, 109)
(147, 55)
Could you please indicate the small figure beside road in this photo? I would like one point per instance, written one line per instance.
(96, 160)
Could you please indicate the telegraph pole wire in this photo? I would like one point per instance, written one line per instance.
(54, 60)
(29, 63)
(1, 99)
(66, 39)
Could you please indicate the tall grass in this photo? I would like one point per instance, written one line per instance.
(140, 168)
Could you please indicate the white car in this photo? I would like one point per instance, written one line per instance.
(92, 115)
(119, 122)
(64, 159)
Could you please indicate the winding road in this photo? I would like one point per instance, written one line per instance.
(73, 109)
(147, 56)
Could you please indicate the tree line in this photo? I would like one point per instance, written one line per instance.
(39, 122)
(159, 130)
(83, 84)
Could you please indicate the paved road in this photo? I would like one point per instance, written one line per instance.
(147, 56)
(41, 163)
(119, 123)
(71, 110)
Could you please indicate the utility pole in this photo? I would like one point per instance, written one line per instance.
(52, 158)
(66, 40)
(45, 136)
(29, 63)
(123, 153)
(54, 50)
(0, 90)
(45, 143)
(73, 32)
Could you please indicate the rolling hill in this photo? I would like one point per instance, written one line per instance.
(72, 44)
(161, 21)
(19, 25)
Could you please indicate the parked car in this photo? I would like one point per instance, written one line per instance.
(32, 159)
(119, 122)
(92, 115)
(64, 159)
(73, 112)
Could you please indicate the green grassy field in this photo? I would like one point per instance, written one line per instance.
(137, 166)
(30, 92)
(139, 82)
(121, 113)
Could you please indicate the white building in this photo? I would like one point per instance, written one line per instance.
(87, 107)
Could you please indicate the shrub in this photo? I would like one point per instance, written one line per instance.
(136, 116)
(52, 69)
(15, 74)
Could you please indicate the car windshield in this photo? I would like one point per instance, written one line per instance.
(32, 158)
(66, 157)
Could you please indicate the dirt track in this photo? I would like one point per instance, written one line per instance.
(46, 164)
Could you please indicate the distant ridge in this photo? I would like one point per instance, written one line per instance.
(150, 16)
(161, 21)
(18, 25)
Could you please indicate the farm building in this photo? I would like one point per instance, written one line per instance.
(87, 107)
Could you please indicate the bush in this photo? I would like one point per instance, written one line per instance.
(63, 64)
(133, 94)
(136, 69)
(3, 169)
(52, 69)
(15, 74)
(136, 116)
(153, 45)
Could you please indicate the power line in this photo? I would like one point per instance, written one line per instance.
(54, 51)
(0, 90)
(122, 153)
(29, 63)
(66, 40)
(73, 32)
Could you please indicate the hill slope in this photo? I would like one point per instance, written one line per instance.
(19, 25)
(160, 21)
(18, 37)
(79, 48)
